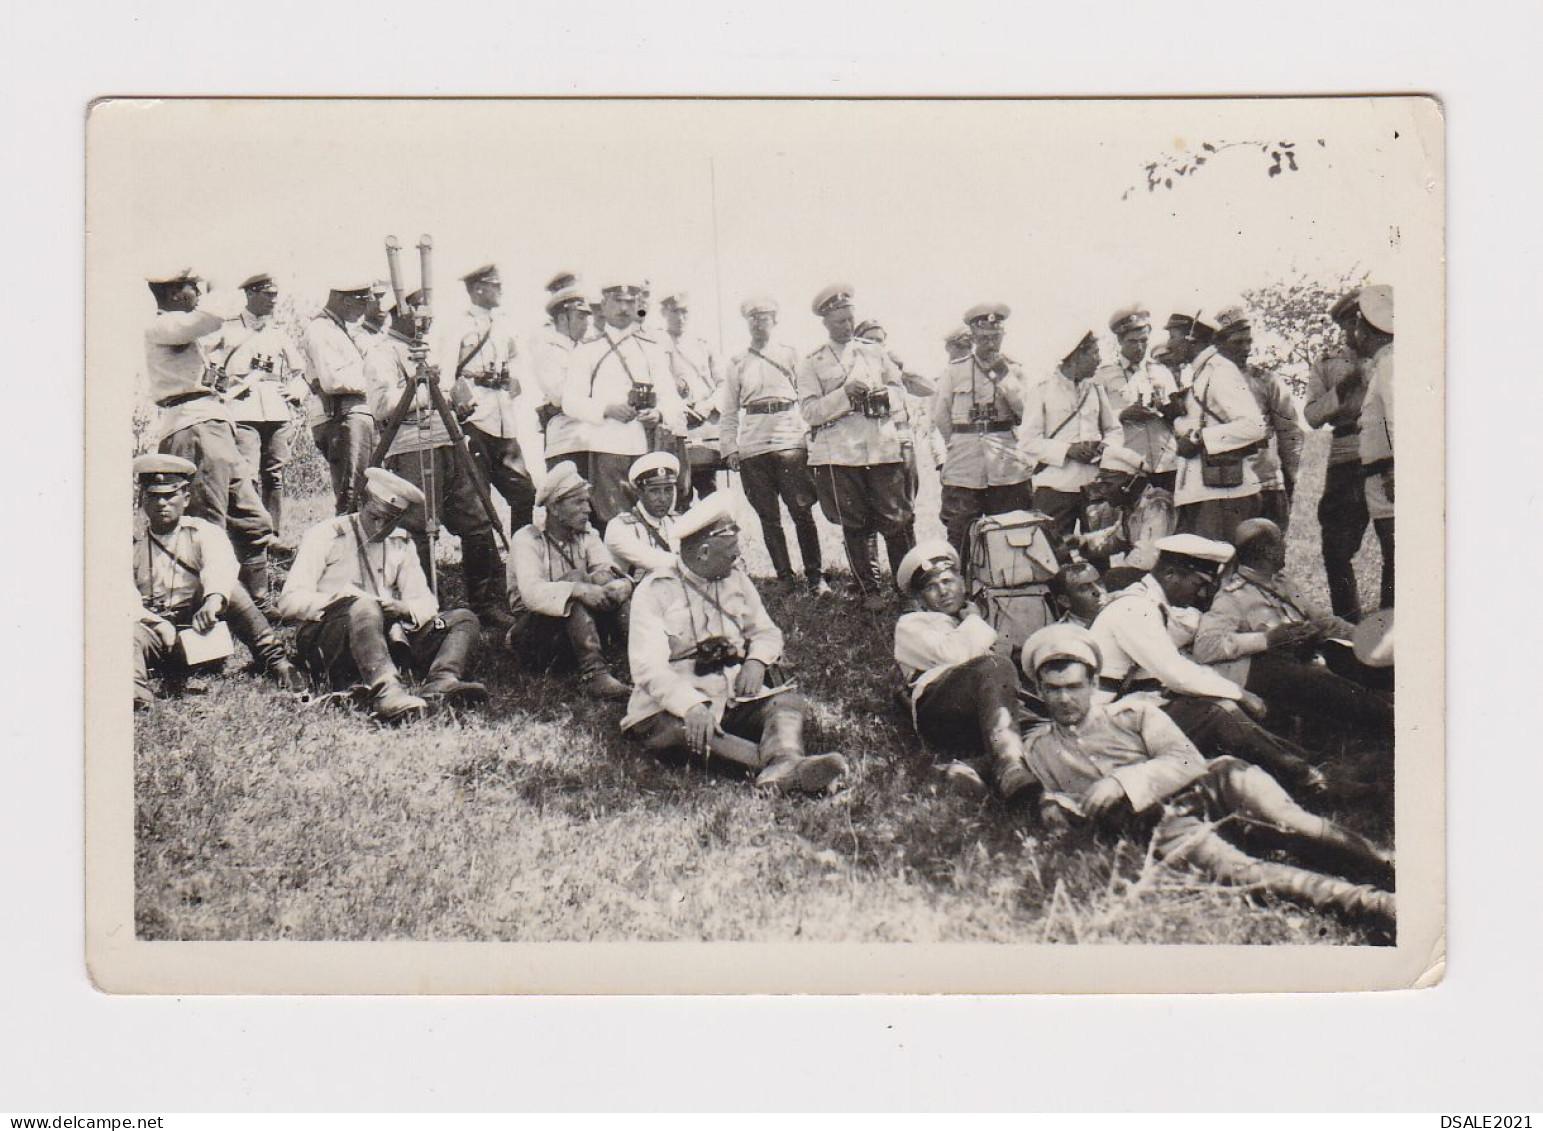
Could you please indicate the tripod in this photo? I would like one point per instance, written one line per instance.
(422, 377)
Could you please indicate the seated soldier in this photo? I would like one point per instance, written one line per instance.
(701, 646)
(643, 538)
(358, 589)
(962, 692)
(1140, 633)
(186, 573)
(569, 595)
(1078, 593)
(1106, 764)
(1263, 633)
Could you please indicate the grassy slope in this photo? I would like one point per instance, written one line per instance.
(259, 817)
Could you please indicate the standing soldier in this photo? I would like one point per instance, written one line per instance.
(478, 351)
(186, 575)
(912, 418)
(567, 325)
(977, 407)
(764, 439)
(263, 380)
(846, 392)
(373, 322)
(423, 453)
(697, 382)
(1067, 422)
(620, 385)
(364, 605)
(1336, 386)
(340, 415)
(1276, 464)
(1373, 336)
(1145, 393)
(1216, 487)
(196, 423)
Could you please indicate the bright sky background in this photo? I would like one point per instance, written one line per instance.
(926, 207)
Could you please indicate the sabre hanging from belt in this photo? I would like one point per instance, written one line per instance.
(422, 374)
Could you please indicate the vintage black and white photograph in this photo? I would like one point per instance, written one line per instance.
(820, 525)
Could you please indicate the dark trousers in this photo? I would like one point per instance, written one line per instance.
(1062, 507)
(704, 478)
(247, 624)
(865, 501)
(1276, 506)
(503, 465)
(606, 474)
(970, 701)
(961, 506)
(577, 640)
(354, 642)
(1342, 518)
(224, 491)
(1314, 692)
(664, 734)
(784, 475)
(1216, 519)
(348, 441)
(1218, 727)
(1384, 529)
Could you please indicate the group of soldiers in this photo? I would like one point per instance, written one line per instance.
(1173, 688)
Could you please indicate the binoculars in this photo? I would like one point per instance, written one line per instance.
(873, 403)
(641, 397)
(494, 377)
(265, 364)
(981, 414)
(714, 654)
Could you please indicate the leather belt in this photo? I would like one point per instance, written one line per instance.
(1343, 430)
(766, 408)
(981, 427)
(1377, 467)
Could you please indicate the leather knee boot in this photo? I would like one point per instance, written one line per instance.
(1360, 902)
(453, 658)
(898, 545)
(862, 556)
(588, 651)
(254, 575)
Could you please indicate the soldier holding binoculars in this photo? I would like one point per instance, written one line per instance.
(847, 391)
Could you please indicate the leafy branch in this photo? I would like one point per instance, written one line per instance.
(1280, 157)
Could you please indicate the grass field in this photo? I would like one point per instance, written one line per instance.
(262, 817)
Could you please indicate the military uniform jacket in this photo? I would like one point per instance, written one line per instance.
(1249, 605)
(336, 364)
(386, 369)
(550, 350)
(176, 572)
(1131, 741)
(602, 372)
(698, 384)
(482, 339)
(1377, 411)
(1221, 407)
(642, 542)
(1336, 386)
(259, 355)
(1283, 455)
(539, 563)
(334, 560)
(1150, 384)
(1136, 640)
(1057, 413)
(839, 435)
(979, 457)
(673, 611)
(928, 643)
(175, 366)
(760, 377)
